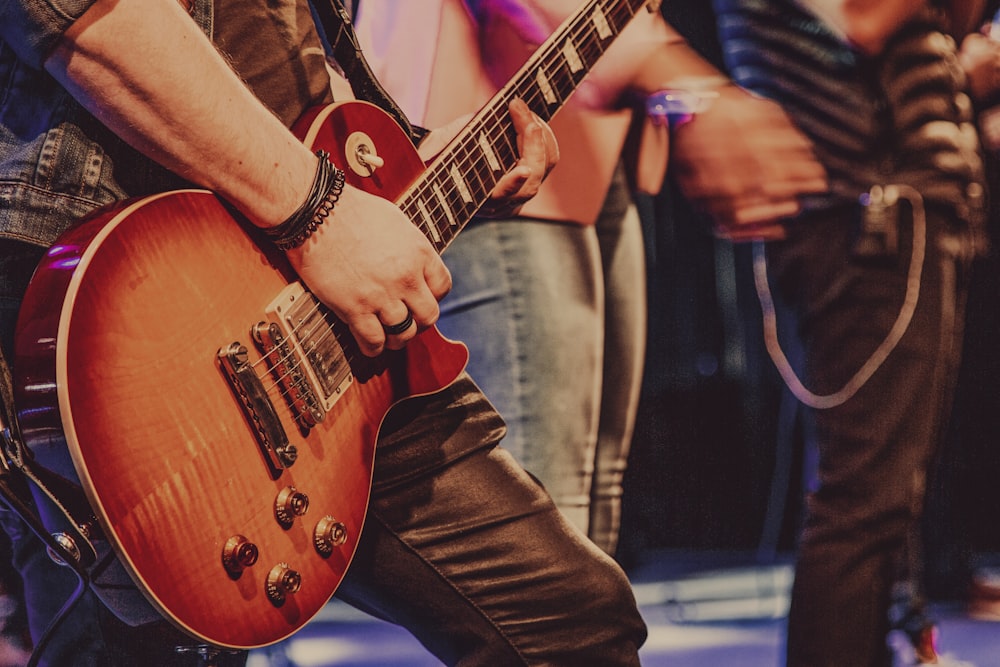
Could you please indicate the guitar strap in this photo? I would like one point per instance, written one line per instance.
(335, 25)
(17, 466)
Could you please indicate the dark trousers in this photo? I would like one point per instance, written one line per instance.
(876, 448)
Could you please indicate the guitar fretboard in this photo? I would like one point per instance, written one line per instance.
(459, 181)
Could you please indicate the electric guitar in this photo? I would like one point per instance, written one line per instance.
(220, 420)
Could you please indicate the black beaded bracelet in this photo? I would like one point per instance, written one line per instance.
(326, 190)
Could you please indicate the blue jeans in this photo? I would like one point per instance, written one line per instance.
(554, 315)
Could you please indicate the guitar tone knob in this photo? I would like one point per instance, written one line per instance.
(238, 554)
(328, 535)
(282, 581)
(289, 504)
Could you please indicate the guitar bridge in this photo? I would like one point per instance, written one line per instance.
(301, 350)
(271, 436)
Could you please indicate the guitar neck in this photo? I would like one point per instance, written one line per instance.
(459, 181)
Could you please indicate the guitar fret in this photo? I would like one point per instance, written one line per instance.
(601, 23)
(462, 177)
(460, 184)
(488, 152)
(428, 222)
(545, 86)
(561, 74)
(445, 205)
(476, 174)
(484, 177)
(417, 213)
(571, 57)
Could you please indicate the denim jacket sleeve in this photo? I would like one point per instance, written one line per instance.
(33, 27)
(57, 162)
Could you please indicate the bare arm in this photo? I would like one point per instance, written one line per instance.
(147, 71)
(741, 159)
(193, 115)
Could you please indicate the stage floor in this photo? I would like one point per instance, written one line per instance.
(703, 610)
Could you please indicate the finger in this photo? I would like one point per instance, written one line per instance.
(507, 194)
(423, 306)
(438, 279)
(765, 212)
(538, 153)
(535, 139)
(397, 325)
(368, 333)
(398, 328)
(550, 142)
(807, 176)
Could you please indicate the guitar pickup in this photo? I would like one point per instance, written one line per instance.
(314, 354)
(289, 372)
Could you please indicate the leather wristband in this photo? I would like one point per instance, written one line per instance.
(327, 186)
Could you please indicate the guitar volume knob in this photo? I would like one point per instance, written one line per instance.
(282, 581)
(238, 554)
(289, 504)
(329, 534)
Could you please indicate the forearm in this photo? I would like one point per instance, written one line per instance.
(675, 64)
(148, 72)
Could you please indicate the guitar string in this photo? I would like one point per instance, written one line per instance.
(566, 83)
(497, 132)
(564, 86)
(563, 83)
(284, 358)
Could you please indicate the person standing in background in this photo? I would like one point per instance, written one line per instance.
(552, 302)
(875, 271)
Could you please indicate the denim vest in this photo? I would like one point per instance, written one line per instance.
(57, 162)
